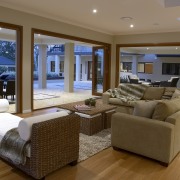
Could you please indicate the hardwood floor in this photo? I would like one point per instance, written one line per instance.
(106, 165)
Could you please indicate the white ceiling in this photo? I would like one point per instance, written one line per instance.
(149, 16)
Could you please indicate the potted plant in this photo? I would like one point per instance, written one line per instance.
(90, 102)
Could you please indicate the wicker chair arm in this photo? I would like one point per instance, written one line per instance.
(54, 143)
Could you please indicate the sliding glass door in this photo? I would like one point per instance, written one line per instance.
(10, 66)
(101, 69)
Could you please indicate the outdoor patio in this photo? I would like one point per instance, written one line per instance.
(54, 94)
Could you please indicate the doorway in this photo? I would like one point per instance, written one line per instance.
(10, 66)
(81, 71)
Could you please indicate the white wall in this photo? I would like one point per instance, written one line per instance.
(32, 21)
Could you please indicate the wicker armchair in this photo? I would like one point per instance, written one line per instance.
(54, 144)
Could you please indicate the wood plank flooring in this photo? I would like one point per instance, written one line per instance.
(106, 165)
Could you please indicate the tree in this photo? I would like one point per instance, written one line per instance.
(8, 49)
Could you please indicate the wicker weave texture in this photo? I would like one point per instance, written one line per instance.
(90, 126)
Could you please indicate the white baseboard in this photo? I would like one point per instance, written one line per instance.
(27, 111)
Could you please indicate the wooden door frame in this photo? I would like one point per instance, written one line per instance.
(106, 69)
(64, 36)
(19, 54)
(118, 46)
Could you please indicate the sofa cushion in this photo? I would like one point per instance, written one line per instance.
(25, 125)
(153, 93)
(168, 92)
(176, 94)
(144, 109)
(166, 108)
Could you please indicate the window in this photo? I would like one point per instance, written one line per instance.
(140, 67)
(126, 67)
(11, 69)
(61, 66)
(171, 68)
(52, 66)
(146, 68)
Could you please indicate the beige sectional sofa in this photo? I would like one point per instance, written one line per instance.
(149, 94)
(149, 126)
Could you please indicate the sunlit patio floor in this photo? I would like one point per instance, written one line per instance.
(54, 94)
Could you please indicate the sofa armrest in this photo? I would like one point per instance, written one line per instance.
(148, 137)
(54, 143)
(175, 120)
(105, 97)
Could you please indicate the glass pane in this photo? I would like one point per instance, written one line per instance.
(8, 67)
(99, 60)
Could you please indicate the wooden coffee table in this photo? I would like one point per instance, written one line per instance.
(95, 120)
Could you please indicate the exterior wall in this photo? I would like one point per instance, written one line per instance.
(84, 62)
(32, 21)
(154, 38)
(157, 67)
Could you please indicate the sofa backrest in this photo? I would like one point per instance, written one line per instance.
(25, 125)
(153, 93)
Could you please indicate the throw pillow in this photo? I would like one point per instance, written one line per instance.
(145, 108)
(165, 109)
(152, 93)
(176, 94)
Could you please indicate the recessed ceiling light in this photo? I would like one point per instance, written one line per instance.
(94, 11)
(126, 18)
(0, 28)
(147, 48)
(131, 26)
(39, 35)
(176, 47)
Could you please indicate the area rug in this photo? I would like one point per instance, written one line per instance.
(41, 96)
(91, 145)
